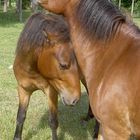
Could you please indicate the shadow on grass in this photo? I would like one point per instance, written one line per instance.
(11, 17)
(69, 122)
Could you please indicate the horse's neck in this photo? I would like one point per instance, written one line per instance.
(86, 53)
(95, 58)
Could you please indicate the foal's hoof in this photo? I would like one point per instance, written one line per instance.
(17, 139)
(83, 122)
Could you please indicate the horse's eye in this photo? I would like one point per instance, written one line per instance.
(64, 66)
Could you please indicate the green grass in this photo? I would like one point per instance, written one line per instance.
(137, 21)
(36, 124)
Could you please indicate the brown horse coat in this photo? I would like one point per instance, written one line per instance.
(107, 48)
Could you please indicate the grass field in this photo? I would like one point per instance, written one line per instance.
(36, 124)
(137, 21)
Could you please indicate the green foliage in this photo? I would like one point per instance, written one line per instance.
(137, 6)
(25, 4)
(127, 4)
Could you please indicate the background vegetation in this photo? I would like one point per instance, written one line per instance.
(36, 124)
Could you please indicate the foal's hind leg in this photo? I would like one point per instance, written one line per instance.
(53, 103)
(89, 116)
(24, 97)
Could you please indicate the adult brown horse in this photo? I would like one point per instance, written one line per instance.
(107, 47)
(45, 61)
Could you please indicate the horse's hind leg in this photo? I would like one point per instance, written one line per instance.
(96, 129)
(24, 98)
(53, 103)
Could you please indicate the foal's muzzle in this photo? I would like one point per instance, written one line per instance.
(70, 102)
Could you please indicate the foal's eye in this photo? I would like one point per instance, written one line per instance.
(64, 66)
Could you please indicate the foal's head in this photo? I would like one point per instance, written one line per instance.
(57, 61)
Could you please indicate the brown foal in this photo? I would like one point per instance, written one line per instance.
(45, 61)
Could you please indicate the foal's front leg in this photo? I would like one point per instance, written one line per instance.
(53, 104)
(90, 115)
(24, 97)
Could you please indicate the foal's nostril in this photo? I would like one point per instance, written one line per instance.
(75, 101)
(63, 100)
(69, 102)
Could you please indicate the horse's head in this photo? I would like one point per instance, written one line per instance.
(56, 6)
(58, 64)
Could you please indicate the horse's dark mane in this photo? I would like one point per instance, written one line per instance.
(34, 33)
(99, 18)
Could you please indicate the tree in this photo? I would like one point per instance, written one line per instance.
(132, 7)
(5, 6)
(20, 11)
(34, 6)
(17, 6)
(10, 5)
(119, 4)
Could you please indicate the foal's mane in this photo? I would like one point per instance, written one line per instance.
(34, 33)
(99, 18)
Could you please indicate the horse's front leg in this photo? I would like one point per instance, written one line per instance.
(53, 104)
(24, 97)
(100, 134)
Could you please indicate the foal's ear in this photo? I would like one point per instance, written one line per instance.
(64, 57)
(50, 38)
(46, 36)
